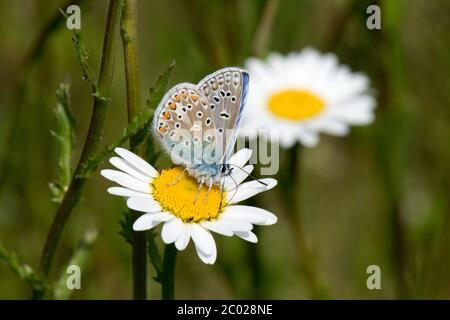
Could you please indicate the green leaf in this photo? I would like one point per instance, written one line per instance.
(66, 141)
(158, 91)
(153, 255)
(79, 258)
(126, 226)
(24, 271)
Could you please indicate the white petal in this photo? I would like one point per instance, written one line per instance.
(171, 230)
(143, 204)
(124, 192)
(234, 225)
(249, 189)
(240, 158)
(184, 237)
(123, 165)
(207, 258)
(145, 222)
(218, 228)
(125, 180)
(237, 176)
(202, 239)
(250, 214)
(247, 235)
(137, 161)
(163, 216)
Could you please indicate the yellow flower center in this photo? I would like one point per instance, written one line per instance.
(178, 193)
(295, 104)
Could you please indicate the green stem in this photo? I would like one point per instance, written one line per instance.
(168, 272)
(292, 190)
(129, 40)
(264, 29)
(93, 139)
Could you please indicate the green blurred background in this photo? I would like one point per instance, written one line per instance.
(378, 196)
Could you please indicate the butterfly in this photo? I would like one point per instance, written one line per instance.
(197, 124)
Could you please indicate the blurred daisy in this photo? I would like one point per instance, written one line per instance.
(303, 94)
(172, 198)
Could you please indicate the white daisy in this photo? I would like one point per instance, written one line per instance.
(171, 198)
(303, 94)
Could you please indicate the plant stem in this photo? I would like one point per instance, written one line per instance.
(93, 139)
(292, 189)
(168, 272)
(129, 40)
(264, 29)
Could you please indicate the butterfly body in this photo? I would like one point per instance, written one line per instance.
(197, 124)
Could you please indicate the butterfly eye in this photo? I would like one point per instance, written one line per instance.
(223, 169)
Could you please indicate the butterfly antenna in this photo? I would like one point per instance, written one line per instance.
(249, 175)
(235, 189)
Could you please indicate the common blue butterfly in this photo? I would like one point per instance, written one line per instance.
(198, 124)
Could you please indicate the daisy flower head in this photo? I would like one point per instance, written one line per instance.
(303, 94)
(173, 198)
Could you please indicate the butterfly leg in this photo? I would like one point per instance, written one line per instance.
(176, 180)
(199, 188)
(210, 184)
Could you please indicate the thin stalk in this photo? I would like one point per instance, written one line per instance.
(168, 272)
(264, 28)
(129, 40)
(292, 190)
(93, 139)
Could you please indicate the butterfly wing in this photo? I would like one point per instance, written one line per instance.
(176, 123)
(226, 92)
(198, 124)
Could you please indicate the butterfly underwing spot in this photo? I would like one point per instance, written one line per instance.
(179, 116)
(208, 121)
(166, 115)
(183, 93)
(228, 77)
(220, 130)
(220, 79)
(176, 97)
(184, 109)
(236, 79)
(194, 97)
(209, 138)
(222, 93)
(212, 107)
(177, 125)
(225, 115)
(228, 93)
(213, 84)
(206, 90)
(189, 106)
(172, 133)
(216, 99)
(187, 143)
(172, 105)
(199, 114)
(195, 127)
(162, 129)
(196, 139)
(233, 99)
